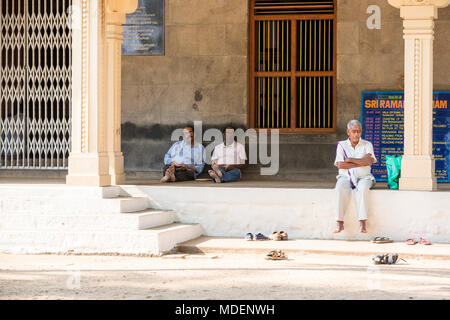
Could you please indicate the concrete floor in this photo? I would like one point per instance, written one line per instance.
(226, 276)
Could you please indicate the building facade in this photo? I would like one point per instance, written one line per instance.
(216, 69)
(205, 75)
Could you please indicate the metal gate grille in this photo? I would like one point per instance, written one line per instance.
(35, 78)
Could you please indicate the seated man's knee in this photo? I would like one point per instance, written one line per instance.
(343, 185)
(365, 185)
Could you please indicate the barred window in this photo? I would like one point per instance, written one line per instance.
(293, 65)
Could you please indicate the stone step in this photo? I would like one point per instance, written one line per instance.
(51, 191)
(63, 222)
(73, 206)
(151, 241)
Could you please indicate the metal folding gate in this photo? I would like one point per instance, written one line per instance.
(35, 79)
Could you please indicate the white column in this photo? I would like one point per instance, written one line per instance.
(115, 17)
(95, 74)
(418, 164)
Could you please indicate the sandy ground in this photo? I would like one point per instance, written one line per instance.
(227, 276)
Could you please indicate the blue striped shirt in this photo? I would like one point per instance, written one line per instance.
(183, 153)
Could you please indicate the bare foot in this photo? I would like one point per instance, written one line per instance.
(340, 227)
(172, 174)
(362, 226)
(166, 176)
(213, 175)
(216, 169)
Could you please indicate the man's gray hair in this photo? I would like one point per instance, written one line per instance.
(353, 123)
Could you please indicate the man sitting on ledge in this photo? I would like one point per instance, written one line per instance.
(228, 159)
(354, 158)
(185, 160)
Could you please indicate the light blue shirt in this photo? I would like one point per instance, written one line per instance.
(182, 153)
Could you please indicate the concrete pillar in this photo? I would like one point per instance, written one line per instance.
(418, 164)
(115, 17)
(95, 159)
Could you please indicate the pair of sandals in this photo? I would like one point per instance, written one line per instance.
(278, 236)
(390, 258)
(257, 237)
(382, 240)
(421, 241)
(276, 255)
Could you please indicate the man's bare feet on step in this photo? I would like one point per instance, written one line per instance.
(340, 227)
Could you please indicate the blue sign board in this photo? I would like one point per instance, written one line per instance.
(382, 119)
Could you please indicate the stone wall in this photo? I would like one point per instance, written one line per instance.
(373, 59)
(204, 76)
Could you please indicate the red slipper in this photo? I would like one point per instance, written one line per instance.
(411, 241)
(424, 241)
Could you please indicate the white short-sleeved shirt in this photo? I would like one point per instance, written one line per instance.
(229, 155)
(345, 150)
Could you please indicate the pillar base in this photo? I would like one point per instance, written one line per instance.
(418, 173)
(116, 168)
(85, 180)
(88, 169)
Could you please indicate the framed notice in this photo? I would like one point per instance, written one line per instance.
(143, 33)
(382, 119)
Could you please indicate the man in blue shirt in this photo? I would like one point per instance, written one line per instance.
(185, 160)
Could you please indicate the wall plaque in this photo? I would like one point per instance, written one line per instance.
(143, 33)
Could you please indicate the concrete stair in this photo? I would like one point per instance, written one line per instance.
(86, 220)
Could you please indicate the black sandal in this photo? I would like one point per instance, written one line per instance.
(390, 258)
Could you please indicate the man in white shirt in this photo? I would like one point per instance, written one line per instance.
(354, 158)
(228, 159)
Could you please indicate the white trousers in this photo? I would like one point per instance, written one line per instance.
(343, 192)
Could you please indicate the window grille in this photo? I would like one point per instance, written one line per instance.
(293, 65)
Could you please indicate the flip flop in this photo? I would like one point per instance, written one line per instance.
(411, 241)
(260, 237)
(390, 258)
(424, 241)
(276, 255)
(284, 235)
(276, 236)
(381, 240)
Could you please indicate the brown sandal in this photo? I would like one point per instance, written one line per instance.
(284, 235)
(275, 236)
(276, 255)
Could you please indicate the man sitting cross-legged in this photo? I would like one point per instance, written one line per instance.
(228, 159)
(185, 160)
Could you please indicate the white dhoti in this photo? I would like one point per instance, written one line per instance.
(361, 194)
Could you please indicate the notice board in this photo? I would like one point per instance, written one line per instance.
(143, 32)
(382, 119)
